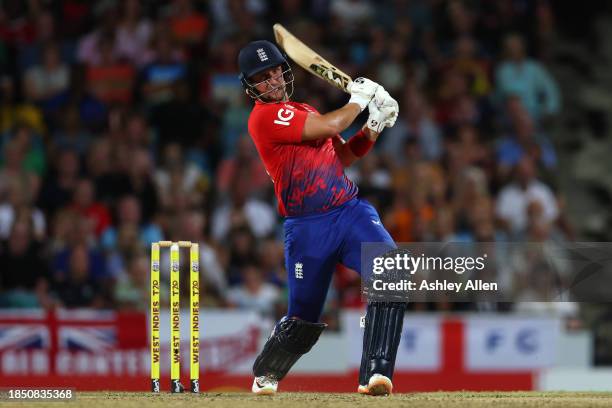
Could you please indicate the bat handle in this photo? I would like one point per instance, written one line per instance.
(349, 86)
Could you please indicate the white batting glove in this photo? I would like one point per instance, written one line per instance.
(362, 91)
(382, 98)
(382, 117)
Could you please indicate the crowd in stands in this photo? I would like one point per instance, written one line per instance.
(123, 123)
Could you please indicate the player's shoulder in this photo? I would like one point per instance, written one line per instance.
(263, 113)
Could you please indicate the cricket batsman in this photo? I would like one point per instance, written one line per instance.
(325, 221)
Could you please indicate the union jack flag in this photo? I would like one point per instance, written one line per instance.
(79, 330)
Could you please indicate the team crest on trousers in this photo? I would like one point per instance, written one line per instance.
(299, 270)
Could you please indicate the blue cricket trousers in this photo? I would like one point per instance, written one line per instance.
(314, 244)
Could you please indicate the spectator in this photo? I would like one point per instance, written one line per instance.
(78, 289)
(527, 79)
(127, 247)
(84, 202)
(72, 136)
(254, 294)
(192, 226)
(179, 175)
(128, 213)
(515, 198)
(138, 168)
(132, 288)
(14, 113)
(45, 81)
(19, 205)
(30, 145)
(24, 277)
(58, 186)
(133, 33)
(158, 77)
(12, 169)
(242, 210)
(524, 140)
(466, 61)
(187, 25)
(244, 164)
(414, 123)
(109, 79)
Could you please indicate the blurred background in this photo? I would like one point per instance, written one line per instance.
(123, 123)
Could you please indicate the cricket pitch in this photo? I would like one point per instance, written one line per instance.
(312, 400)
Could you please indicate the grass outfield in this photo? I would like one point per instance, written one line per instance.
(312, 400)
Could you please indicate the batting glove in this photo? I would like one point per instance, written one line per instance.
(382, 98)
(382, 117)
(362, 91)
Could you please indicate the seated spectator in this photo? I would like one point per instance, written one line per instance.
(415, 123)
(184, 121)
(528, 79)
(88, 50)
(138, 132)
(44, 81)
(524, 140)
(374, 179)
(19, 204)
(455, 105)
(31, 145)
(59, 184)
(79, 232)
(466, 61)
(242, 210)
(128, 213)
(191, 227)
(132, 288)
(187, 25)
(140, 181)
(133, 33)
(84, 202)
(254, 294)
(92, 111)
(515, 198)
(24, 277)
(468, 146)
(272, 262)
(409, 214)
(78, 288)
(13, 112)
(72, 136)
(110, 80)
(178, 174)
(159, 76)
(244, 164)
(127, 247)
(12, 169)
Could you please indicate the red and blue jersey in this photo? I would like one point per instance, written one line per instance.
(308, 175)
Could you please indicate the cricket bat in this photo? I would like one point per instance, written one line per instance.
(308, 59)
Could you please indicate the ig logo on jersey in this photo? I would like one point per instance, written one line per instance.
(284, 116)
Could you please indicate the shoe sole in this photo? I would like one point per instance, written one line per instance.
(265, 392)
(380, 386)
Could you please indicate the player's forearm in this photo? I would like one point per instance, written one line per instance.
(343, 118)
(330, 124)
(357, 147)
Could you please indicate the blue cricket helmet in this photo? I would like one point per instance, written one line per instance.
(258, 56)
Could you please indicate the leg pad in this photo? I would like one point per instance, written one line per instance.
(381, 338)
(290, 339)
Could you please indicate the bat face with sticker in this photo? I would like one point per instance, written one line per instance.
(311, 61)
